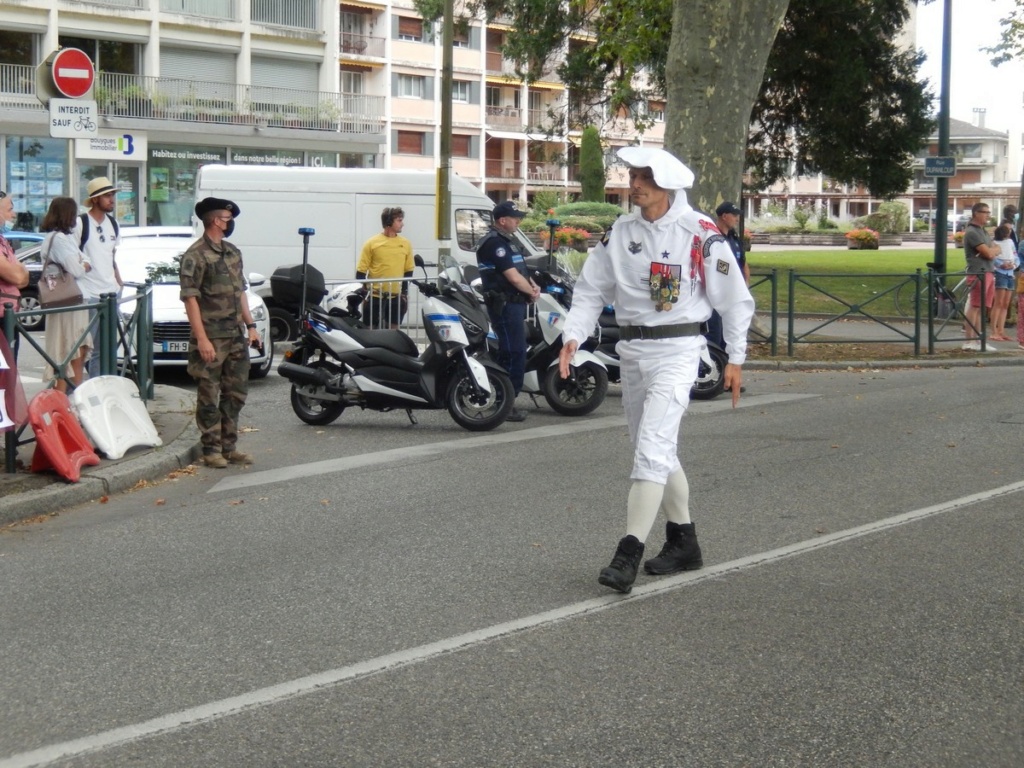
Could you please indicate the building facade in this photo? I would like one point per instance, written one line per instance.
(356, 83)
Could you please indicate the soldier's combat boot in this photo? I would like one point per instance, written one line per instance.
(214, 460)
(621, 573)
(680, 553)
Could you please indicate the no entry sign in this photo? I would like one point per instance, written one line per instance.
(73, 73)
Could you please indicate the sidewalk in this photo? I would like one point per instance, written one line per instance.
(24, 495)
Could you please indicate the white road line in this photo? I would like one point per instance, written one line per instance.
(567, 427)
(302, 686)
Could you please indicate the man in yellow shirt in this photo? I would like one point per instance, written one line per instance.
(386, 255)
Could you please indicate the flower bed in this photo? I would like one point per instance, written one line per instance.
(863, 238)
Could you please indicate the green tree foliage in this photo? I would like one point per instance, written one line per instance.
(1011, 38)
(591, 166)
(831, 93)
(849, 105)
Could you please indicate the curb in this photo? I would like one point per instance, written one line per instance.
(845, 365)
(117, 476)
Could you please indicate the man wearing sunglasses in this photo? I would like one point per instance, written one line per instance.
(98, 248)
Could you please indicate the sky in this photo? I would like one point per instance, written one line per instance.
(974, 81)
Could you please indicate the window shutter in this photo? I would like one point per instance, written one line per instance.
(194, 64)
(428, 88)
(428, 143)
(474, 91)
(285, 73)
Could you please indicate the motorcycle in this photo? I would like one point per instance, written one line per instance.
(710, 382)
(337, 364)
(585, 388)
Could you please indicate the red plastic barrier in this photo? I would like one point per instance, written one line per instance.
(61, 444)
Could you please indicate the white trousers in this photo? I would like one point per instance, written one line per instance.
(656, 381)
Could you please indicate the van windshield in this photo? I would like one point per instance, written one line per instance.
(472, 225)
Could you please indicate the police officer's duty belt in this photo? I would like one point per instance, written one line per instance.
(632, 332)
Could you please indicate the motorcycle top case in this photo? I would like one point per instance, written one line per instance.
(286, 285)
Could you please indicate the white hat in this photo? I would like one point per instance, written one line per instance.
(669, 171)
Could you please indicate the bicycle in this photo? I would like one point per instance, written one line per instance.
(949, 300)
(84, 124)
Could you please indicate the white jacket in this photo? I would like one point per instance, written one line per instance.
(683, 242)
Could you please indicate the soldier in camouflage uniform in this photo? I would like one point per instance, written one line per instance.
(213, 290)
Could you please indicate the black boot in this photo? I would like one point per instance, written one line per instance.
(680, 553)
(621, 574)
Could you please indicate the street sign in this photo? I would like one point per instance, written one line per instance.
(73, 118)
(939, 167)
(72, 73)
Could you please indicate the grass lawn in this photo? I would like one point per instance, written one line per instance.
(833, 278)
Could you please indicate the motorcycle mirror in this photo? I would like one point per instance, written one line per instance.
(418, 261)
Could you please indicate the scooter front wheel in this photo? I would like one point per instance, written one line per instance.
(710, 375)
(475, 410)
(579, 394)
(313, 410)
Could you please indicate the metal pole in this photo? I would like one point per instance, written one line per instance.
(942, 184)
(444, 169)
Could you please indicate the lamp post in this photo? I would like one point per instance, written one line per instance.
(444, 169)
(942, 183)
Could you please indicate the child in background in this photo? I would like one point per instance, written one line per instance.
(1005, 263)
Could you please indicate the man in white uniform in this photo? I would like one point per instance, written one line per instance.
(101, 242)
(664, 267)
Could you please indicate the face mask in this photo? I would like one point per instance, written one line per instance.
(229, 229)
(8, 225)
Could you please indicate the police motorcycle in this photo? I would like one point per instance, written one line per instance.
(585, 388)
(338, 364)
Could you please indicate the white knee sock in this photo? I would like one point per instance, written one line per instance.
(676, 501)
(642, 507)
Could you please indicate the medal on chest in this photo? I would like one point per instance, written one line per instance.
(664, 284)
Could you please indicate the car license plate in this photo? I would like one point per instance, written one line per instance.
(171, 346)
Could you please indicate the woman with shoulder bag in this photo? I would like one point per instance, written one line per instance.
(64, 329)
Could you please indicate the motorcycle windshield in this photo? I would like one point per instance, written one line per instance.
(450, 276)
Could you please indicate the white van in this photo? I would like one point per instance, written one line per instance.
(344, 206)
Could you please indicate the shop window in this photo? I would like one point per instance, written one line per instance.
(35, 172)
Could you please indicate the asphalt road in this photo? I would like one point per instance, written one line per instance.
(374, 593)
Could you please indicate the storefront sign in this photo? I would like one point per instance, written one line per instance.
(112, 145)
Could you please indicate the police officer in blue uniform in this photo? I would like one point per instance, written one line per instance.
(507, 290)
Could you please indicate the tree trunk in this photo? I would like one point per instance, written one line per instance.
(715, 66)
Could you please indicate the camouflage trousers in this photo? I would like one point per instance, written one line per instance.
(223, 386)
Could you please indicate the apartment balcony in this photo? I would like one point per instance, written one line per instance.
(505, 117)
(118, 3)
(504, 169)
(295, 14)
(361, 45)
(542, 172)
(196, 101)
(225, 10)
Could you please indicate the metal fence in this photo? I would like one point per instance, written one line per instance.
(200, 101)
